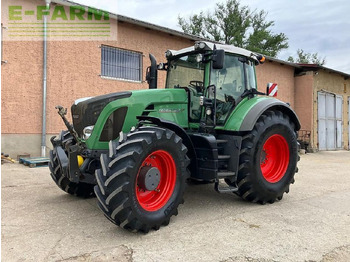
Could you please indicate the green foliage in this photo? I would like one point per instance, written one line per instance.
(194, 26)
(307, 58)
(234, 24)
(262, 39)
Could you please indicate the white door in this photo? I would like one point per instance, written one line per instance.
(339, 121)
(349, 121)
(321, 98)
(330, 122)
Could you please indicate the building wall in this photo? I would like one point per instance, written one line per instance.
(74, 69)
(303, 98)
(283, 75)
(73, 72)
(336, 84)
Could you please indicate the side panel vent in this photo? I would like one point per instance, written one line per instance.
(148, 109)
(114, 125)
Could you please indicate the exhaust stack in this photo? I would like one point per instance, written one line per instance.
(152, 73)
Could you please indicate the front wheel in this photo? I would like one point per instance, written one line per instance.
(268, 159)
(142, 181)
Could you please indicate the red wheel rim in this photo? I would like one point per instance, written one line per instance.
(274, 158)
(156, 199)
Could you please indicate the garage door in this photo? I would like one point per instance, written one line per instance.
(330, 124)
(339, 121)
(349, 120)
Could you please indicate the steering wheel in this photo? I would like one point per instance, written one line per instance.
(230, 99)
(198, 85)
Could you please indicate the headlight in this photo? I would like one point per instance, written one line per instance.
(87, 131)
(200, 45)
(160, 66)
(199, 58)
(168, 54)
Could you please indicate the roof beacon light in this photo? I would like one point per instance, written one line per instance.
(261, 59)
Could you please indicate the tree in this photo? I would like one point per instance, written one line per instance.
(307, 58)
(233, 24)
(262, 40)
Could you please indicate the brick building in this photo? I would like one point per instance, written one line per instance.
(319, 95)
(81, 67)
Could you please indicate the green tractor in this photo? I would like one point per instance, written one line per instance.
(137, 150)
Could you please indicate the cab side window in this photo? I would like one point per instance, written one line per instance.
(229, 83)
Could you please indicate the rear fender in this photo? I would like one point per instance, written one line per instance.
(269, 104)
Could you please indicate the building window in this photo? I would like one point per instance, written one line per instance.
(121, 64)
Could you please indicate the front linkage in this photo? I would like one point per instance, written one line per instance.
(68, 168)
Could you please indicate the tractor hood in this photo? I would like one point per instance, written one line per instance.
(124, 108)
(86, 111)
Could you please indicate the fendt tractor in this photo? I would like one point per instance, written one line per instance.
(136, 150)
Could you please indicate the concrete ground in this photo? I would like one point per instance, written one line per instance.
(312, 223)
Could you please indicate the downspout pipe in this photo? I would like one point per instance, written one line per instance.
(43, 133)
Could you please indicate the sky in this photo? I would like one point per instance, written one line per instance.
(321, 26)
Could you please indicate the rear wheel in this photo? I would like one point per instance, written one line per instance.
(268, 159)
(142, 181)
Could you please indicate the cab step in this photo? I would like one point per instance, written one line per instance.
(223, 175)
(225, 189)
(224, 157)
(223, 162)
(226, 174)
(221, 141)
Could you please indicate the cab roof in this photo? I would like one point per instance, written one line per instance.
(211, 46)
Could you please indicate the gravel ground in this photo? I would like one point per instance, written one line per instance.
(312, 223)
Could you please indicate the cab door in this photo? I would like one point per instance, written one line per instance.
(237, 75)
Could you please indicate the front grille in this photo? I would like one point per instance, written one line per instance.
(87, 112)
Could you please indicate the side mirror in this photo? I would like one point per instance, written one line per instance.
(152, 73)
(218, 58)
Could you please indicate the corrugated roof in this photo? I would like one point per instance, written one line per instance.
(316, 67)
(126, 19)
(134, 21)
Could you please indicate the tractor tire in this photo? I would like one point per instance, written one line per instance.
(125, 195)
(268, 159)
(77, 189)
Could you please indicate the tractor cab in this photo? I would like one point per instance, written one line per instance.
(215, 78)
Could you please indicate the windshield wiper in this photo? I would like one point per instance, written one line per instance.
(251, 92)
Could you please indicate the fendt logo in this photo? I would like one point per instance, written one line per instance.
(29, 22)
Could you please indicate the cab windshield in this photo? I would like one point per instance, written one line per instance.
(185, 71)
(188, 72)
